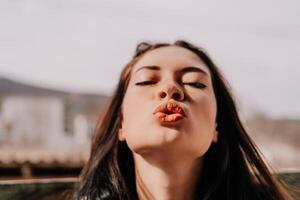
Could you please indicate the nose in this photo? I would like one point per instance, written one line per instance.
(171, 91)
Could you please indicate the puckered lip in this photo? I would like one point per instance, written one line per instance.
(170, 107)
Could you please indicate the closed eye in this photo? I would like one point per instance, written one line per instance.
(193, 84)
(196, 85)
(145, 83)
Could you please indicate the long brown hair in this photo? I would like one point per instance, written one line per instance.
(233, 167)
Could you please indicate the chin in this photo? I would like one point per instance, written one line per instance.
(164, 143)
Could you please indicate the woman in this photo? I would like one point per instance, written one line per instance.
(172, 131)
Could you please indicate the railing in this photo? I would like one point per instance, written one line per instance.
(36, 189)
(52, 189)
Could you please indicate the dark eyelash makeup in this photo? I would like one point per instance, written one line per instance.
(193, 84)
(197, 85)
(145, 83)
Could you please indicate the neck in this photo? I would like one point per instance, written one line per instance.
(165, 178)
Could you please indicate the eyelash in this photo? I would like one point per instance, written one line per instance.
(194, 84)
(197, 85)
(145, 83)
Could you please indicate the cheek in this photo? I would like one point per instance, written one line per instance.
(203, 123)
(138, 101)
(137, 97)
(133, 102)
(136, 114)
(131, 108)
(205, 109)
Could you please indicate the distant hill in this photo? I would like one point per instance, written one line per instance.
(283, 130)
(9, 86)
(278, 139)
(87, 103)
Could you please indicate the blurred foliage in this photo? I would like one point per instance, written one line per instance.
(36, 191)
(293, 182)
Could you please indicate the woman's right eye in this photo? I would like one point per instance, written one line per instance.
(145, 83)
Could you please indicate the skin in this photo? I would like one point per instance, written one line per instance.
(168, 156)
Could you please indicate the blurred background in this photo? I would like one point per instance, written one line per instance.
(60, 61)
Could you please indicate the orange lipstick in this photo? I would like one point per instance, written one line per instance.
(169, 112)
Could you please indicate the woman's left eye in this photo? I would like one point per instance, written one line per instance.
(196, 85)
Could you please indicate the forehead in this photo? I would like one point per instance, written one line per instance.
(170, 57)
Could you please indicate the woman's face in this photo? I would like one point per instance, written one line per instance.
(169, 104)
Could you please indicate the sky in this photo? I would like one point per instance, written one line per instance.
(82, 45)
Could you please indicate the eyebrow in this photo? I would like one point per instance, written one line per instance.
(184, 70)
